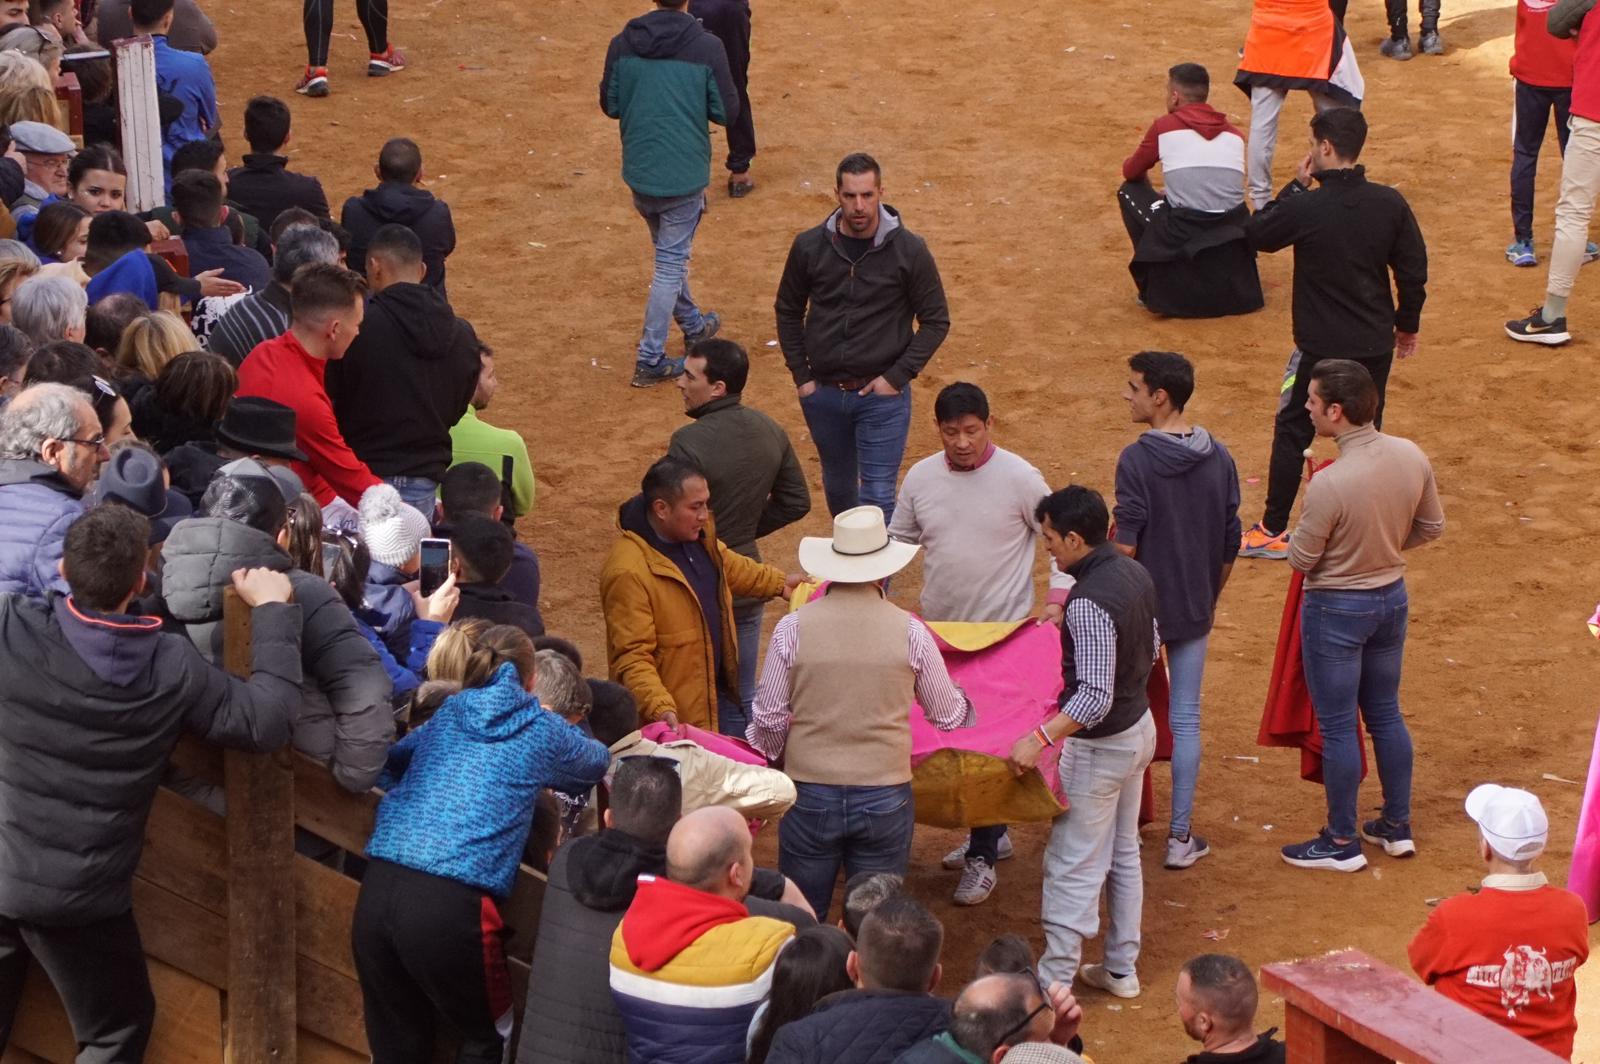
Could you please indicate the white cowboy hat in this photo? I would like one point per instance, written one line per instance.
(860, 551)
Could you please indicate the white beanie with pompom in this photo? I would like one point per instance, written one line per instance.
(392, 530)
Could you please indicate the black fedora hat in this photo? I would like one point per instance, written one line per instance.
(254, 425)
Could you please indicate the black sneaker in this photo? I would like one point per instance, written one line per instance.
(710, 324)
(1535, 330)
(1394, 838)
(1398, 48)
(666, 370)
(1324, 852)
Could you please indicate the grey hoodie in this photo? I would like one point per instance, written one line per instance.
(344, 718)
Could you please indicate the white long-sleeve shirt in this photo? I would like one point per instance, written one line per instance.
(978, 534)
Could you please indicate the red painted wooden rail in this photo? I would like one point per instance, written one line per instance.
(1348, 1008)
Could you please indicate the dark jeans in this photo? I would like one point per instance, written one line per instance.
(747, 623)
(1528, 124)
(1292, 432)
(731, 716)
(318, 22)
(729, 20)
(861, 440)
(98, 970)
(866, 829)
(1396, 11)
(1352, 646)
(428, 947)
(985, 843)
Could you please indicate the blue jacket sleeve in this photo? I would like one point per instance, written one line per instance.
(399, 760)
(577, 762)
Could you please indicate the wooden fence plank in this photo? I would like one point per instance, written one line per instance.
(316, 1050)
(329, 811)
(186, 851)
(261, 916)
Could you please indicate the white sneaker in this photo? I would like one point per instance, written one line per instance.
(956, 859)
(1181, 853)
(977, 883)
(1095, 975)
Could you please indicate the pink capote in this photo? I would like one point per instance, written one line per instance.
(728, 746)
(1583, 878)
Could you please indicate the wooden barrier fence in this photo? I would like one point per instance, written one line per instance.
(1348, 1008)
(248, 943)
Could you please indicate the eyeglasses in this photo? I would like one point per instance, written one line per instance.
(1044, 1006)
(96, 442)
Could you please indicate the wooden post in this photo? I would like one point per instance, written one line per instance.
(260, 1015)
(141, 125)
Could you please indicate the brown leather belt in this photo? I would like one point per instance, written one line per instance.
(849, 384)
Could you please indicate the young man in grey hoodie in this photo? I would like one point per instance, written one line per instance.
(1177, 512)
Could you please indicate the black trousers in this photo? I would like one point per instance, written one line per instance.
(730, 21)
(1292, 432)
(1532, 118)
(1138, 200)
(98, 970)
(318, 19)
(427, 947)
(1396, 11)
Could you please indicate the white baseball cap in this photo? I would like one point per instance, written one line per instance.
(1512, 821)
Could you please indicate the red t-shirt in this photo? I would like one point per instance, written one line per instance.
(1509, 954)
(1586, 71)
(1540, 59)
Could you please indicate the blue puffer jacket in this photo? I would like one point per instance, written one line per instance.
(406, 677)
(387, 607)
(36, 506)
(860, 1027)
(463, 786)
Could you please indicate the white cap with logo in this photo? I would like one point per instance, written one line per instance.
(1512, 821)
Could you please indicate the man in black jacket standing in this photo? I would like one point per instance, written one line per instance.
(851, 290)
(401, 199)
(94, 702)
(1347, 235)
(757, 485)
(408, 376)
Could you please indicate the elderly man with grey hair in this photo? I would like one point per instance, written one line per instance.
(264, 315)
(50, 309)
(51, 448)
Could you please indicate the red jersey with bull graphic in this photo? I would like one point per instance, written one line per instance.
(1509, 953)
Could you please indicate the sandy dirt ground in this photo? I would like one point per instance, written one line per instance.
(1001, 126)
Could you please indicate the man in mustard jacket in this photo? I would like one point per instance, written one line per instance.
(667, 592)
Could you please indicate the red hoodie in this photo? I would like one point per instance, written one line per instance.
(666, 918)
(1201, 156)
(1540, 58)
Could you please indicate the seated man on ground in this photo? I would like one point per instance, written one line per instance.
(93, 704)
(481, 549)
(571, 1016)
(51, 449)
(400, 199)
(264, 314)
(895, 966)
(995, 1014)
(689, 964)
(1191, 258)
(502, 450)
(1217, 1000)
(472, 487)
(1509, 951)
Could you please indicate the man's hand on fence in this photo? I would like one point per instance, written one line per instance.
(258, 586)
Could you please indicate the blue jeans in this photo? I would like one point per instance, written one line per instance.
(747, 623)
(420, 493)
(1353, 642)
(731, 717)
(672, 224)
(866, 829)
(861, 440)
(1186, 665)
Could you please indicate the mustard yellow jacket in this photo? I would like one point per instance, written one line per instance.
(657, 642)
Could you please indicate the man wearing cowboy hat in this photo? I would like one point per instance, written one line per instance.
(839, 676)
(252, 427)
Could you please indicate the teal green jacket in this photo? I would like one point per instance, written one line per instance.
(665, 79)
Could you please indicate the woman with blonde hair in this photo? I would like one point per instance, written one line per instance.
(445, 849)
(150, 342)
(17, 264)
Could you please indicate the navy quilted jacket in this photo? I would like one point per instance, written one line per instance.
(860, 1027)
(36, 506)
(463, 786)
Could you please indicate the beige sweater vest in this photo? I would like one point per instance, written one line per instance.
(852, 692)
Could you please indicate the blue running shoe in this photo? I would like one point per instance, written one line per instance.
(1520, 253)
(1590, 252)
(1324, 852)
(1394, 838)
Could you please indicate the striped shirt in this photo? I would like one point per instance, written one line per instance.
(943, 703)
(1094, 651)
(254, 319)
